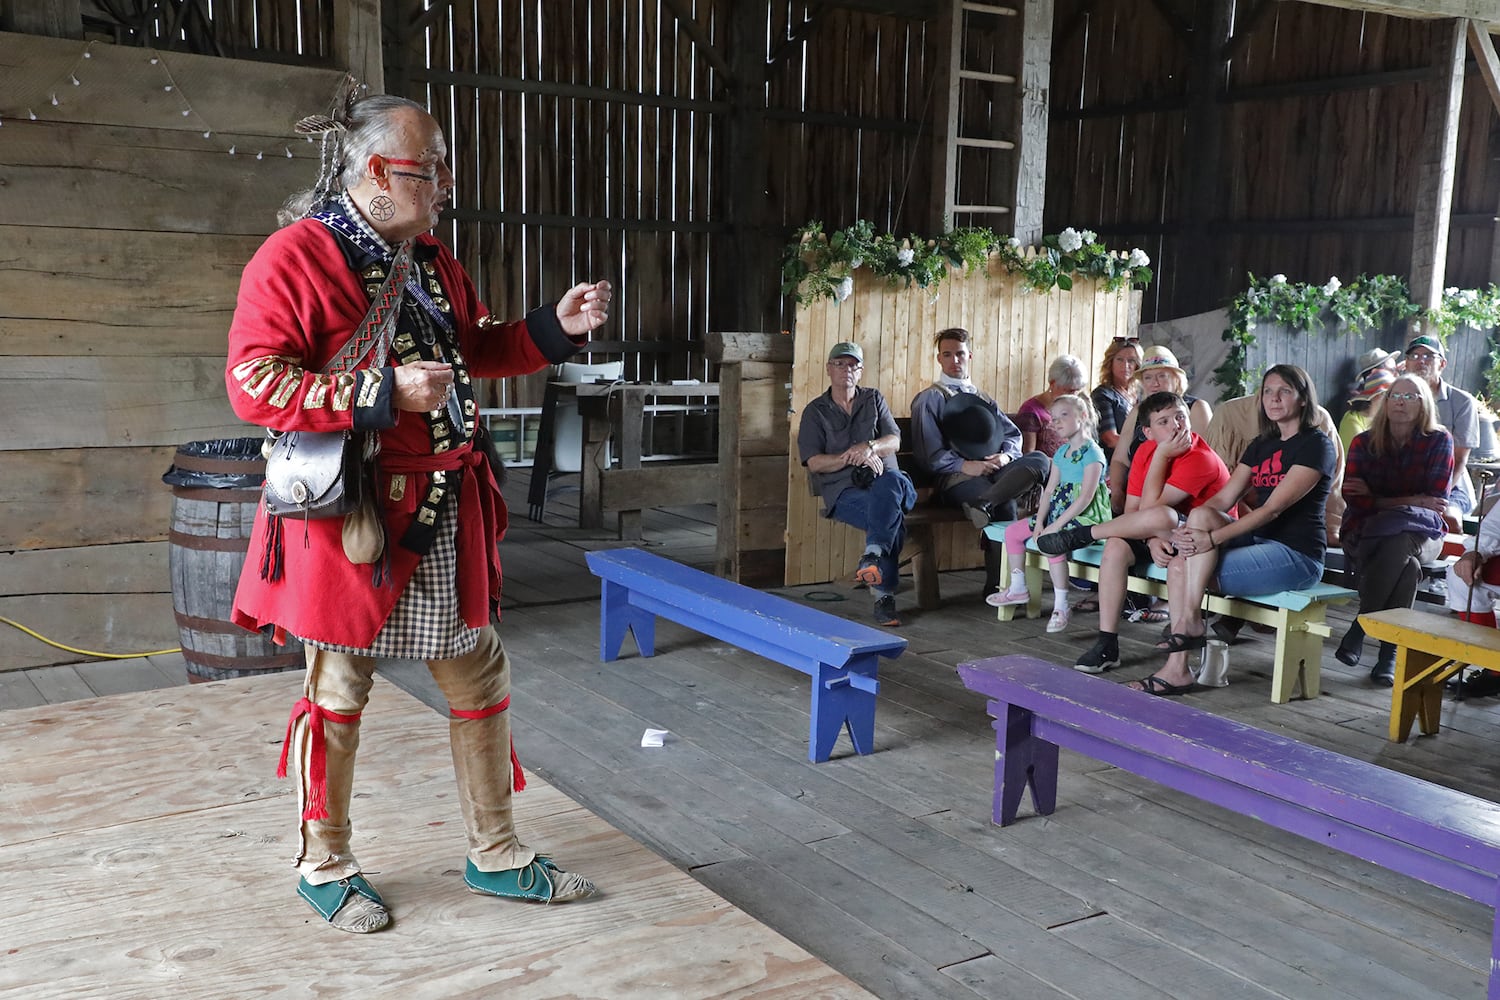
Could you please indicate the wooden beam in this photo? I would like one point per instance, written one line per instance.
(1033, 96)
(700, 38)
(57, 18)
(798, 35)
(947, 38)
(1204, 135)
(356, 42)
(1484, 10)
(516, 85)
(427, 18)
(1245, 27)
(748, 284)
(1364, 224)
(1169, 13)
(1434, 207)
(1484, 54)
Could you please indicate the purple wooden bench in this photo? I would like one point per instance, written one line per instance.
(840, 656)
(1443, 837)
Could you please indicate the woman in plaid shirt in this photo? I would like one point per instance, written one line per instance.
(1396, 483)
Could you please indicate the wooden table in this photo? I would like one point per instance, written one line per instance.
(617, 413)
(1429, 649)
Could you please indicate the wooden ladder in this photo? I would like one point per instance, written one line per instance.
(991, 115)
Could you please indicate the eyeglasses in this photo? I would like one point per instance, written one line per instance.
(847, 366)
(1405, 397)
(1420, 355)
(1128, 341)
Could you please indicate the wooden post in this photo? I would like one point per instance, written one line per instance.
(750, 277)
(947, 27)
(753, 427)
(57, 18)
(1429, 240)
(1205, 136)
(1489, 68)
(1034, 88)
(356, 41)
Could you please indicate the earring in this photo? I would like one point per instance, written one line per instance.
(382, 208)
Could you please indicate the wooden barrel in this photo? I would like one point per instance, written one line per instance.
(215, 491)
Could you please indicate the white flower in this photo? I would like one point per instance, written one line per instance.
(1278, 279)
(843, 289)
(1138, 258)
(1069, 240)
(856, 263)
(905, 257)
(1468, 297)
(1089, 236)
(1013, 242)
(1334, 284)
(1450, 292)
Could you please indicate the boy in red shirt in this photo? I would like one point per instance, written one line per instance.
(1173, 472)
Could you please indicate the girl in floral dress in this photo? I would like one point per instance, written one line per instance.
(1076, 494)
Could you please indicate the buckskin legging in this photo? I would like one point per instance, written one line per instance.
(474, 685)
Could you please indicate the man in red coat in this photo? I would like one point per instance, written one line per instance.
(432, 592)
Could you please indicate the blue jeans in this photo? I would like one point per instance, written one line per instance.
(880, 511)
(1251, 565)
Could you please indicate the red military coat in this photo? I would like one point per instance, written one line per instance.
(299, 302)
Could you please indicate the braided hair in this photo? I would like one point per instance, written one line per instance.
(354, 128)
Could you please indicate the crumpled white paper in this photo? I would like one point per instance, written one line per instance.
(654, 737)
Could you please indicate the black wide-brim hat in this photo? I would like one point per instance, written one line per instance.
(972, 427)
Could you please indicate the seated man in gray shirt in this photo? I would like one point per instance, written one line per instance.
(972, 450)
(847, 440)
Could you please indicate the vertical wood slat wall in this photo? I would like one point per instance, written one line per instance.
(1016, 334)
(1328, 159)
(126, 232)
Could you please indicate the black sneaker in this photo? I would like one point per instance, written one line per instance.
(1486, 684)
(885, 611)
(1060, 543)
(1103, 655)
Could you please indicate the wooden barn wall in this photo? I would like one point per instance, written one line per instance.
(590, 139)
(1018, 333)
(126, 230)
(1311, 184)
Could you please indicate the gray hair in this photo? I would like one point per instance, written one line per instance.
(1067, 372)
(368, 127)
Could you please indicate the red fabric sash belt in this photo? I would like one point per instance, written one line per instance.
(317, 793)
(517, 776)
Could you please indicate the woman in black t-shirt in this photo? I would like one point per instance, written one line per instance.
(1277, 546)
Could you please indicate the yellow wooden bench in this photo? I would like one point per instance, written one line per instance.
(1430, 649)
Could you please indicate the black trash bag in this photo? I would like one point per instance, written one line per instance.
(186, 472)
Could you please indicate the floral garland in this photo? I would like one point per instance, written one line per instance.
(819, 266)
(1365, 303)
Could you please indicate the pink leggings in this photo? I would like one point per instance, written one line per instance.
(1015, 543)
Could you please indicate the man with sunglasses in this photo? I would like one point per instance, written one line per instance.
(353, 318)
(1456, 410)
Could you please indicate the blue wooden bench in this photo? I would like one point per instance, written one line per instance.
(1298, 616)
(1443, 837)
(839, 655)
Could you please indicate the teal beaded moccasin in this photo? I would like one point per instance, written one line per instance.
(350, 904)
(541, 881)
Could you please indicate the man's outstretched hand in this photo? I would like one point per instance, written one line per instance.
(584, 307)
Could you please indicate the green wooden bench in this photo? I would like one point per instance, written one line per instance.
(1298, 616)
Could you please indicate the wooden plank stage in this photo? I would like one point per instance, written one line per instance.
(144, 848)
(884, 866)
